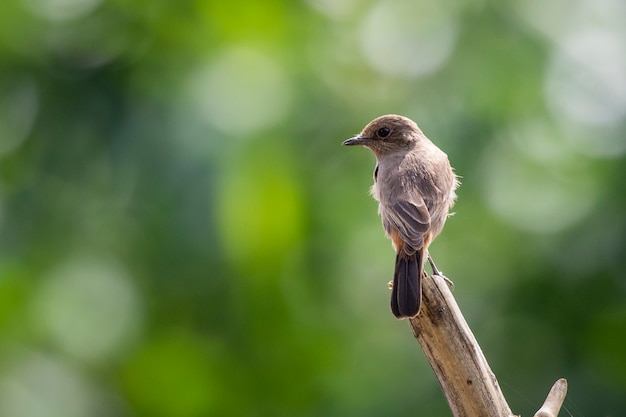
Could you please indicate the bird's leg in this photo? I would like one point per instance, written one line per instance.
(436, 271)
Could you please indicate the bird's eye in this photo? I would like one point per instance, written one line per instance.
(383, 132)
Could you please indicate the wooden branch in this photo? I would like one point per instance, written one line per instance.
(556, 396)
(467, 382)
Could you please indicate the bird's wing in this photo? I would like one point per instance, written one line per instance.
(410, 218)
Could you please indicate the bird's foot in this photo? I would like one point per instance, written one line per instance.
(446, 279)
(437, 272)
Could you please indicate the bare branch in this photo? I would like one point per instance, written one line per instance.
(554, 401)
(465, 377)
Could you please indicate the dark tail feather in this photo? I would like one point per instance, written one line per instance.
(406, 294)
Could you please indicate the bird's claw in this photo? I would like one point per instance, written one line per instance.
(437, 272)
(446, 279)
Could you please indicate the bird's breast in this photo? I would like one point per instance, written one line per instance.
(388, 184)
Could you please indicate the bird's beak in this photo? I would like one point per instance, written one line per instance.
(357, 140)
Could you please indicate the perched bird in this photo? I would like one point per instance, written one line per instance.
(414, 185)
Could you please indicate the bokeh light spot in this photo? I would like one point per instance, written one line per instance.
(89, 308)
(35, 385)
(406, 38)
(334, 8)
(539, 196)
(242, 91)
(586, 81)
(62, 10)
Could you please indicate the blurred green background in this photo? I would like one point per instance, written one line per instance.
(181, 233)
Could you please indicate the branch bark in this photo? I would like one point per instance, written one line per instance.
(466, 379)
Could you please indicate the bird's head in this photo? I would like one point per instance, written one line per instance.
(387, 134)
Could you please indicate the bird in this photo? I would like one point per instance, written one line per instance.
(415, 187)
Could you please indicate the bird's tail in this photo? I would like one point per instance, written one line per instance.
(406, 295)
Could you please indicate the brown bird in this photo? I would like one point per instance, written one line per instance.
(414, 185)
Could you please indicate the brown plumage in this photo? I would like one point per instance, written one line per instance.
(414, 185)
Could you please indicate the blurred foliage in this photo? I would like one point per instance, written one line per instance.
(181, 233)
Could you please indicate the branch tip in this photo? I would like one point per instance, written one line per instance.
(554, 401)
